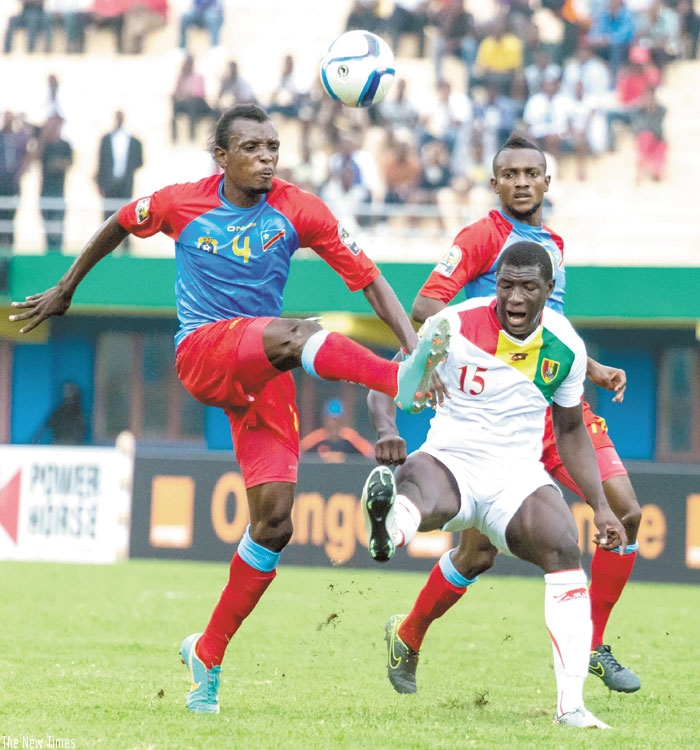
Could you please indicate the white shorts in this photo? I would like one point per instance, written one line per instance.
(490, 495)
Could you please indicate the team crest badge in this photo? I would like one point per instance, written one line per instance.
(208, 244)
(549, 370)
(143, 210)
(347, 240)
(449, 261)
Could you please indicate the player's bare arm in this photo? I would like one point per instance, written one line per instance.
(390, 448)
(386, 305)
(610, 378)
(577, 454)
(424, 307)
(56, 300)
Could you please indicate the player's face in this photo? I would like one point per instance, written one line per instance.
(520, 182)
(521, 293)
(250, 161)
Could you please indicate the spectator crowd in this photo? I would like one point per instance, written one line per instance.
(575, 93)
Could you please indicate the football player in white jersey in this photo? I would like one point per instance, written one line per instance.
(479, 468)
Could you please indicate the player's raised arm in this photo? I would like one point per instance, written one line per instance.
(55, 301)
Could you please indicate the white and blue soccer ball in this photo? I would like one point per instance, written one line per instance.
(358, 69)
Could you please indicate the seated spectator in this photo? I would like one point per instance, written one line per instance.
(659, 31)
(400, 169)
(611, 34)
(288, 95)
(141, 18)
(32, 19)
(590, 70)
(585, 130)
(109, 14)
(365, 15)
(632, 83)
(203, 14)
(234, 89)
(397, 111)
(435, 176)
(542, 67)
(189, 98)
(650, 144)
(444, 116)
(311, 171)
(547, 115)
(335, 440)
(347, 197)
(690, 26)
(363, 165)
(496, 115)
(408, 17)
(72, 17)
(456, 36)
(498, 57)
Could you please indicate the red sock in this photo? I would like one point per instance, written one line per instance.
(435, 598)
(610, 572)
(240, 595)
(340, 358)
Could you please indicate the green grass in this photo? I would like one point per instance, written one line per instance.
(89, 653)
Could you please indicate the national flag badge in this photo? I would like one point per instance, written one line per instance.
(143, 210)
(346, 238)
(270, 237)
(449, 261)
(208, 244)
(549, 370)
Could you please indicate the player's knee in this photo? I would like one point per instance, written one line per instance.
(471, 562)
(284, 339)
(272, 533)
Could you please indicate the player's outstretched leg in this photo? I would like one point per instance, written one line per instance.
(604, 665)
(582, 718)
(203, 697)
(402, 660)
(378, 497)
(416, 371)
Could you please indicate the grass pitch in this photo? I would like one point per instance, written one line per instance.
(89, 660)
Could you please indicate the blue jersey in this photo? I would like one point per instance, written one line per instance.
(234, 262)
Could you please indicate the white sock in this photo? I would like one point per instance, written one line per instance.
(567, 613)
(407, 519)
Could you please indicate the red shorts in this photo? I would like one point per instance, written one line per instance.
(609, 463)
(224, 364)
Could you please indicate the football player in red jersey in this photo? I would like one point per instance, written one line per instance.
(520, 180)
(234, 236)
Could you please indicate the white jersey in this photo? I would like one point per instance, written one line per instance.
(500, 386)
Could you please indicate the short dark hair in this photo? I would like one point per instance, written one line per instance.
(515, 142)
(238, 112)
(525, 253)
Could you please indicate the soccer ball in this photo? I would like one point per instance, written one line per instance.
(358, 69)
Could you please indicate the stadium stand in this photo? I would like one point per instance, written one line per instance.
(631, 223)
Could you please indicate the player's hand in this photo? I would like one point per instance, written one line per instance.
(611, 533)
(610, 378)
(438, 391)
(390, 450)
(39, 307)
